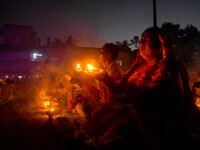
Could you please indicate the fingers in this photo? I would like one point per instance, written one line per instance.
(102, 76)
(162, 38)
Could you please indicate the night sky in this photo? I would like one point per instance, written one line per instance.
(94, 22)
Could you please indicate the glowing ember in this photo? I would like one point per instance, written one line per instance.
(78, 68)
(52, 109)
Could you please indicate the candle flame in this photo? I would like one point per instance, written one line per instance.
(90, 67)
(46, 103)
(78, 68)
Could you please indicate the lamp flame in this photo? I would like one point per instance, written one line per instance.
(78, 68)
(46, 103)
(90, 67)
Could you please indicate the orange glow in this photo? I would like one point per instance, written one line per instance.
(52, 109)
(198, 102)
(78, 68)
(90, 67)
(46, 103)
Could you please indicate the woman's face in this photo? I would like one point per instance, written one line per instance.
(146, 48)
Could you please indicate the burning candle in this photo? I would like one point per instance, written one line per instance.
(46, 104)
(88, 69)
(78, 68)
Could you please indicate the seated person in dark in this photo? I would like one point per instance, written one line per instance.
(107, 58)
(152, 102)
(95, 92)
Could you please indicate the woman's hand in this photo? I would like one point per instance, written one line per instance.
(167, 48)
(163, 39)
(102, 76)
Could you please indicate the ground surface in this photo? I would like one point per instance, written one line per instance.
(24, 126)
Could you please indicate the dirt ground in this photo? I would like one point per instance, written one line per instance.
(23, 126)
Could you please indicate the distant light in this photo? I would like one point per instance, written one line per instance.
(35, 55)
(19, 77)
(39, 55)
(6, 77)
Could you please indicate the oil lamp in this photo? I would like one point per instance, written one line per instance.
(78, 68)
(51, 112)
(88, 69)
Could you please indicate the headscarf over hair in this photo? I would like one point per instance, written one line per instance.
(154, 32)
(166, 44)
(167, 51)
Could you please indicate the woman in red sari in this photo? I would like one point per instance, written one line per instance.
(154, 96)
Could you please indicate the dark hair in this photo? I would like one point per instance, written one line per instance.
(154, 32)
(112, 49)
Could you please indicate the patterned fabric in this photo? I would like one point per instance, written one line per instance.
(146, 75)
(163, 89)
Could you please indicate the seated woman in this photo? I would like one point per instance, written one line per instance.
(157, 102)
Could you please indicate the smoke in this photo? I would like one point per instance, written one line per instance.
(56, 82)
